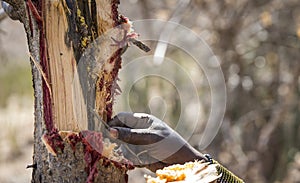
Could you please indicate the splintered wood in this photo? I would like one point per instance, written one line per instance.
(76, 81)
(65, 85)
(102, 61)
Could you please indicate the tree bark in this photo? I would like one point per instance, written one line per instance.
(66, 147)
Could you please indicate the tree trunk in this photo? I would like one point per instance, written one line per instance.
(66, 146)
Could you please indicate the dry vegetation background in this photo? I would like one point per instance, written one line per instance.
(16, 104)
(258, 44)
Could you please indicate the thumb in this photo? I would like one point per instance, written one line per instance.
(136, 136)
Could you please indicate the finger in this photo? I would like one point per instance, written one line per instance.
(131, 120)
(117, 122)
(137, 136)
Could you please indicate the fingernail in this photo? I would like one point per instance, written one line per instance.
(113, 133)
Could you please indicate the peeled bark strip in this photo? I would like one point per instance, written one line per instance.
(58, 33)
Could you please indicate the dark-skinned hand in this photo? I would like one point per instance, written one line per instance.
(149, 142)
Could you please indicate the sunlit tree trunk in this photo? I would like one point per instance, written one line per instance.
(58, 32)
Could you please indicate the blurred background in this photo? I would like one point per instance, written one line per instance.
(16, 104)
(258, 45)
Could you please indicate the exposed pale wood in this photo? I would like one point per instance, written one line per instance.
(69, 110)
(104, 17)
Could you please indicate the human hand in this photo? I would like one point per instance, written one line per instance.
(149, 142)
